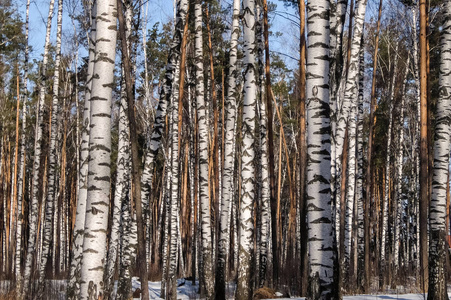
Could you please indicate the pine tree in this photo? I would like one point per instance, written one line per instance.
(424, 173)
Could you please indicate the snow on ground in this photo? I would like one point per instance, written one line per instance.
(186, 290)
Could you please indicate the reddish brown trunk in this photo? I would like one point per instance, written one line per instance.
(424, 159)
(215, 141)
(269, 124)
(366, 282)
(302, 153)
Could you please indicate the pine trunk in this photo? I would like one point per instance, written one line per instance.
(373, 106)
(424, 174)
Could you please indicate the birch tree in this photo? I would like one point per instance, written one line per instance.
(135, 162)
(351, 95)
(229, 159)
(319, 214)
(399, 165)
(246, 225)
(265, 193)
(359, 183)
(73, 287)
(163, 103)
(438, 247)
(121, 191)
(205, 218)
(176, 59)
(53, 159)
(33, 215)
(20, 181)
(97, 208)
(385, 212)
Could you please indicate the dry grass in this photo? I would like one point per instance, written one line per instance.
(10, 295)
(264, 293)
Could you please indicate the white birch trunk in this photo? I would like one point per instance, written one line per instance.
(165, 96)
(246, 224)
(33, 215)
(73, 287)
(399, 164)
(229, 160)
(319, 214)
(263, 243)
(96, 223)
(360, 173)
(20, 180)
(121, 191)
(387, 170)
(438, 248)
(174, 59)
(204, 199)
(51, 200)
(351, 95)
(417, 130)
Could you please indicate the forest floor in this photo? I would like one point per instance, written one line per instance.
(186, 290)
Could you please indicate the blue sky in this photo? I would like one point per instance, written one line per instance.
(158, 11)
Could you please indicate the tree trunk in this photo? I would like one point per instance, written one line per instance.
(121, 191)
(366, 280)
(319, 214)
(302, 154)
(351, 95)
(98, 196)
(20, 181)
(399, 177)
(73, 287)
(264, 201)
(245, 253)
(51, 199)
(272, 182)
(438, 248)
(229, 159)
(359, 185)
(33, 215)
(424, 186)
(385, 228)
(135, 170)
(205, 218)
